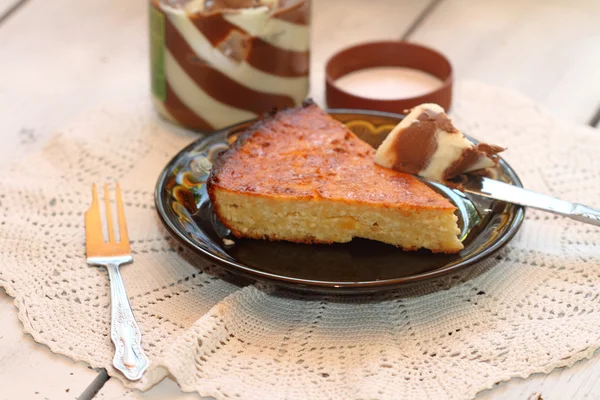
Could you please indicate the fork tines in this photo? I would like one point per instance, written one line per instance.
(96, 245)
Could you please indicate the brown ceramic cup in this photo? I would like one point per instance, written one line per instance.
(387, 54)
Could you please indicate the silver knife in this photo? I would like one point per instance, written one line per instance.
(497, 190)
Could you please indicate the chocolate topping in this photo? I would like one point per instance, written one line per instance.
(239, 46)
(215, 83)
(227, 86)
(416, 144)
(289, 63)
(470, 156)
(183, 114)
(213, 5)
(440, 120)
(490, 149)
(214, 27)
(294, 11)
(426, 143)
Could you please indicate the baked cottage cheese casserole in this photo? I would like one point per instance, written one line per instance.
(300, 175)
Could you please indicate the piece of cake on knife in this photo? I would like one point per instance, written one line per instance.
(427, 144)
(300, 175)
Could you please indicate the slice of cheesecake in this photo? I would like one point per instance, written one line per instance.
(299, 175)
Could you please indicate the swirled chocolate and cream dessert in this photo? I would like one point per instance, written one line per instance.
(220, 62)
(427, 144)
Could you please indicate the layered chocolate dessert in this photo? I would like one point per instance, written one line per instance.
(219, 62)
(426, 143)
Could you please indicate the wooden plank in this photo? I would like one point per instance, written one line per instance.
(64, 57)
(167, 389)
(95, 386)
(29, 370)
(595, 120)
(338, 24)
(7, 7)
(548, 50)
(7, 4)
(61, 57)
(578, 382)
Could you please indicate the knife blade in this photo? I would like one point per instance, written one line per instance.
(497, 190)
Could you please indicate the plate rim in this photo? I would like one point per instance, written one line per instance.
(517, 218)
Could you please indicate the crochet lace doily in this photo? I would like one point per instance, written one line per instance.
(531, 307)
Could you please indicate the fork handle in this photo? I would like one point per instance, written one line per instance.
(124, 331)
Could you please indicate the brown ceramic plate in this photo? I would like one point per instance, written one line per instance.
(359, 266)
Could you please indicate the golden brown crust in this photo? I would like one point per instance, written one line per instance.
(305, 153)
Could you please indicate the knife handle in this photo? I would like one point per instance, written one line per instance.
(586, 214)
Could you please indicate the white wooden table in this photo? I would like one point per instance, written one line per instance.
(59, 58)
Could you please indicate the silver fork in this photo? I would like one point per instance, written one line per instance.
(124, 332)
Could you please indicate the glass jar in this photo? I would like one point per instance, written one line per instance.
(215, 63)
